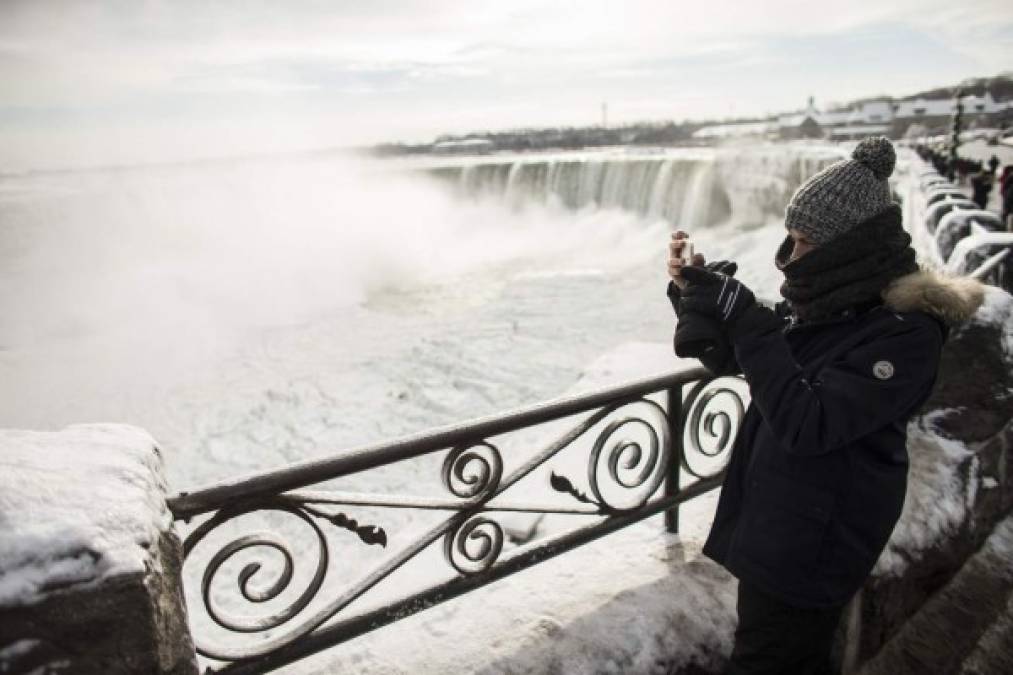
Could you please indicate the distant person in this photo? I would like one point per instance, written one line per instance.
(1004, 175)
(818, 470)
(940, 165)
(981, 186)
(993, 164)
(1006, 185)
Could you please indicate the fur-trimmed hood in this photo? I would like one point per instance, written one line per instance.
(953, 300)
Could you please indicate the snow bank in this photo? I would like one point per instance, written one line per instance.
(937, 499)
(635, 601)
(76, 506)
(997, 309)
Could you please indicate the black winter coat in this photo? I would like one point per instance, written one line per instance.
(818, 470)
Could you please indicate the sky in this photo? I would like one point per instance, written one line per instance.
(124, 81)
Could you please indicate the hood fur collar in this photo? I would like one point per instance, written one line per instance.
(953, 300)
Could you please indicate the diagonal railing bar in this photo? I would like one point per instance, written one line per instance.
(472, 541)
(188, 504)
(419, 502)
(344, 630)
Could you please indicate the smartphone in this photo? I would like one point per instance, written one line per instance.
(686, 254)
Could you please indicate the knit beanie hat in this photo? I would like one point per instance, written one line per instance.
(845, 193)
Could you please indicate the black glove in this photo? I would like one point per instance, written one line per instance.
(727, 300)
(698, 335)
(720, 266)
(715, 294)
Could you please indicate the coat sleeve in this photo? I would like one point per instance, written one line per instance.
(865, 388)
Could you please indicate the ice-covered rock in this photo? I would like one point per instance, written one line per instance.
(89, 564)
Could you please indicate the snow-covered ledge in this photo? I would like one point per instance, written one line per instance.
(89, 564)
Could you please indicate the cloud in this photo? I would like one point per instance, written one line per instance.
(395, 69)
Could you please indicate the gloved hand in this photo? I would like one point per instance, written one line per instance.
(720, 266)
(698, 335)
(715, 294)
(726, 299)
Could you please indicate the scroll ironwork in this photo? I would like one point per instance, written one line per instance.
(620, 487)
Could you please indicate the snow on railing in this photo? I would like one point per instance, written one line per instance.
(640, 480)
(966, 239)
(990, 264)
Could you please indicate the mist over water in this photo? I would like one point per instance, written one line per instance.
(123, 290)
(216, 247)
(258, 312)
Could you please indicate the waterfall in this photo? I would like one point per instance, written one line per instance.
(696, 206)
(686, 188)
(671, 188)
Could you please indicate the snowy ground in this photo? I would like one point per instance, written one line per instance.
(632, 602)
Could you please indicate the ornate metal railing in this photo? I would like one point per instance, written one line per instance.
(649, 474)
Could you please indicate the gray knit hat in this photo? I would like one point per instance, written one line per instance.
(845, 193)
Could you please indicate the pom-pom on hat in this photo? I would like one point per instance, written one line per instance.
(844, 194)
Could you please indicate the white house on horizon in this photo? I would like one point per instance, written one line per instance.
(868, 118)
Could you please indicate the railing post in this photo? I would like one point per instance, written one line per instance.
(671, 485)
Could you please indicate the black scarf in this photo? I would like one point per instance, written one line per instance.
(849, 270)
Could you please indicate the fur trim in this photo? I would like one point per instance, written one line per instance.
(954, 300)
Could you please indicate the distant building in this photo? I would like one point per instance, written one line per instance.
(893, 119)
(885, 117)
(805, 124)
(809, 128)
(866, 118)
(920, 108)
(937, 114)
